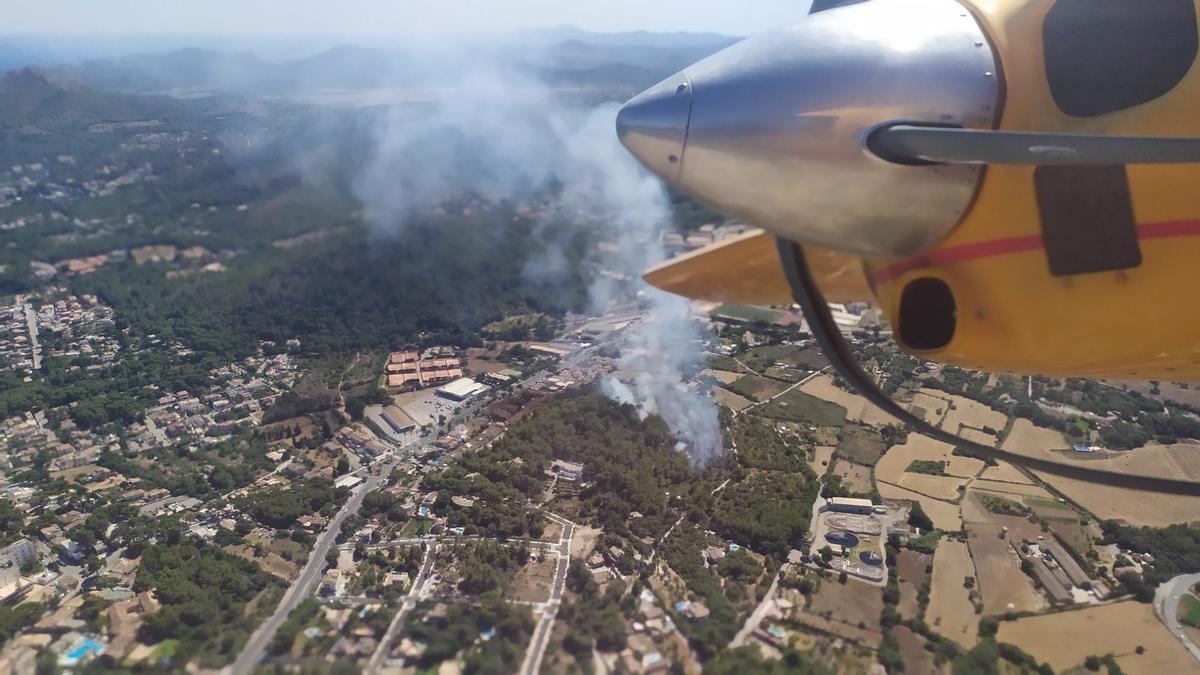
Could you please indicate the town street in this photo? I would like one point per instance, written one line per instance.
(256, 646)
(541, 634)
(410, 602)
(31, 320)
(1166, 605)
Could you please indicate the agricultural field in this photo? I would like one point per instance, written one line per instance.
(945, 516)
(1005, 472)
(965, 413)
(1013, 489)
(797, 406)
(1004, 587)
(917, 659)
(1065, 639)
(851, 603)
(1167, 391)
(929, 405)
(951, 612)
(747, 313)
(757, 388)
(858, 409)
(822, 455)
(803, 358)
(1105, 502)
(725, 376)
(861, 445)
(911, 571)
(896, 461)
(854, 476)
(731, 400)
(939, 487)
(973, 510)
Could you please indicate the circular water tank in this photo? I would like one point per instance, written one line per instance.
(871, 558)
(842, 539)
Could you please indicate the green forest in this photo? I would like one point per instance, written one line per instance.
(203, 592)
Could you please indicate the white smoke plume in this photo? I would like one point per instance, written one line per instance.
(500, 134)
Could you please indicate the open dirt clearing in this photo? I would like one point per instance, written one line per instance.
(532, 582)
(945, 516)
(858, 409)
(950, 611)
(1065, 639)
(584, 540)
(1004, 586)
(894, 463)
(1133, 506)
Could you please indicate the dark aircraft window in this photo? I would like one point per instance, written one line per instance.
(1107, 55)
(927, 314)
(1087, 219)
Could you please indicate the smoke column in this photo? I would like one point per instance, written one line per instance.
(501, 134)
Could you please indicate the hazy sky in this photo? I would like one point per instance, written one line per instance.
(390, 17)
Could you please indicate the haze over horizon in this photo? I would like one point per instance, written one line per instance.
(379, 18)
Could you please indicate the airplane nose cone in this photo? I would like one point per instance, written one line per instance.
(654, 125)
(771, 130)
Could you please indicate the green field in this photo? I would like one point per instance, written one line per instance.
(1050, 509)
(1190, 611)
(756, 388)
(728, 363)
(746, 313)
(860, 445)
(797, 406)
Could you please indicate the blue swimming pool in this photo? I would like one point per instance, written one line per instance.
(842, 539)
(87, 646)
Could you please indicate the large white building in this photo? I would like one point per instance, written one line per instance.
(462, 389)
(848, 505)
(12, 558)
(18, 554)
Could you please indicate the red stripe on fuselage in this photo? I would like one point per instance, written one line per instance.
(1024, 244)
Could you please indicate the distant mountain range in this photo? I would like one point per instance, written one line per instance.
(564, 56)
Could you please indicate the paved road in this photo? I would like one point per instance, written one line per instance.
(1166, 605)
(759, 612)
(256, 646)
(31, 321)
(410, 602)
(541, 634)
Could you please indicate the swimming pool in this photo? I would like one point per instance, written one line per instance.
(82, 649)
(842, 539)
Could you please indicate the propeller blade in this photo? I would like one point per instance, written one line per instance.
(911, 144)
(746, 270)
